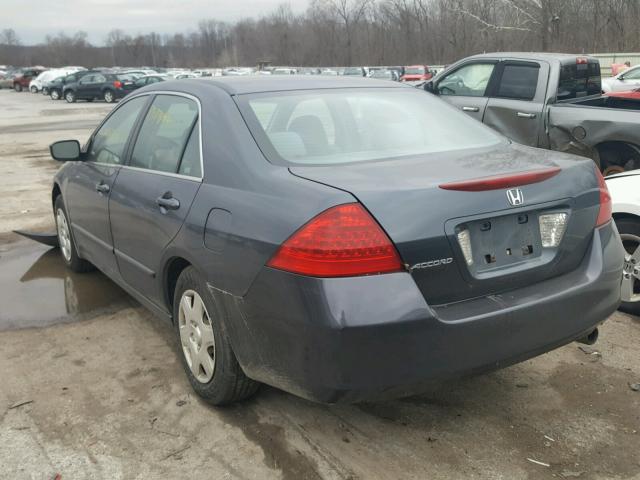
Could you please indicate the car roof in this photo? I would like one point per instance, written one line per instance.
(264, 83)
(562, 57)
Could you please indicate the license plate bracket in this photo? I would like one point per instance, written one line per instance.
(503, 242)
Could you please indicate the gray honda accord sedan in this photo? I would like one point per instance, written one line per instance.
(337, 238)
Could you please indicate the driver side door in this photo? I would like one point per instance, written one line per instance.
(466, 87)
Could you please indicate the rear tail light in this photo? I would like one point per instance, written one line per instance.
(342, 241)
(552, 228)
(604, 214)
(117, 84)
(502, 181)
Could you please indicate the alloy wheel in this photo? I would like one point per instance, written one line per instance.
(196, 336)
(64, 238)
(631, 273)
(108, 96)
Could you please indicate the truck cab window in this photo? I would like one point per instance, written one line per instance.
(518, 82)
(470, 80)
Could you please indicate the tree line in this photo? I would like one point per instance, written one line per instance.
(355, 32)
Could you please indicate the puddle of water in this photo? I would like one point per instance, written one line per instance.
(37, 290)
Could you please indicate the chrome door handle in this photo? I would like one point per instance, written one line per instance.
(102, 187)
(526, 115)
(470, 109)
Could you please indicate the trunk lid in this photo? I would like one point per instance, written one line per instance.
(423, 220)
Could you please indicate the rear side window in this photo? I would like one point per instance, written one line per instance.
(164, 133)
(519, 82)
(579, 80)
(190, 163)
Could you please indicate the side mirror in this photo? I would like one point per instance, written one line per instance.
(621, 78)
(428, 86)
(65, 150)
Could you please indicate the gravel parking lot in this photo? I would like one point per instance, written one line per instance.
(91, 386)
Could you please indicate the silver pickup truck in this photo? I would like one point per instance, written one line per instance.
(546, 100)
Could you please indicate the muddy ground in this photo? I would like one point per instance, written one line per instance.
(90, 385)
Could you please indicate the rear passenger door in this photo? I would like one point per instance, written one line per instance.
(517, 100)
(154, 191)
(467, 86)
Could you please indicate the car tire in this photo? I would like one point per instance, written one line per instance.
(17, 87)
(55, 95)
(33, 89)
(66, 241)
(70, 96)
(208, 360)
(630, 233)
(109, 96)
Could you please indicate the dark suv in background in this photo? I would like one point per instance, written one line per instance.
(107, 86)
(55, 88)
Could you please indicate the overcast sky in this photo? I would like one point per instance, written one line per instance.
(34, 19)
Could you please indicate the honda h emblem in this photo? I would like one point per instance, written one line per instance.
(515, 197)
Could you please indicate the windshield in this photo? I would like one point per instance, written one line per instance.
(358, 125)
(414, 71)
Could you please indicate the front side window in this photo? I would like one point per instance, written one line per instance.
(109, 142)
(164, 133)
(519, 81)
(469, 81)
(357, 125)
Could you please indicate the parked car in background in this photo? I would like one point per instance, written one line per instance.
(56, 87)
(545, 100)
(7, 80)
(37, 84)
(626, 80)
(106, 86)
(625, 194)
(354, 72)
(627, 94)
(383, 74)
(182, 76)
(270, 218)
(138, 73)
(24, 76)
(149, 80)
(284, 71)
(416, 73)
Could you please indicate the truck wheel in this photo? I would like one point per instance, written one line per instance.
(207, 357)
(69, 96)
(65, 239)
(17, 87)
(618, 157)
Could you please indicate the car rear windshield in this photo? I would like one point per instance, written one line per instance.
(358, 125)
(579, 80)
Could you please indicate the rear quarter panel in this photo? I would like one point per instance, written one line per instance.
(600, 124)
(263, 203)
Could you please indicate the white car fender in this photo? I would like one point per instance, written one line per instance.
(625, 192)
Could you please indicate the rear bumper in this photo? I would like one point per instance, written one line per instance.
(349, 339)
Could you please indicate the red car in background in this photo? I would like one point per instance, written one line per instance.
(416, 73)
(630, 95)
(24, 77)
